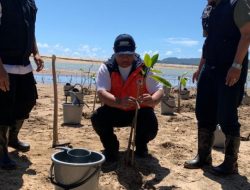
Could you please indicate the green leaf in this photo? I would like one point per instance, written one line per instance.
(183, 74)
(147, 60)
(154, 59)
(183, 82)
(93, 76)
(156, 71)
(161, 80)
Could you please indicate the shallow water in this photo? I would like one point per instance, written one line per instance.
(169, 73)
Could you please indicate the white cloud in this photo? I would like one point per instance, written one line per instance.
(83, 50)
(42, 45)
(200, 50)
(168, 53)
(58, 46)
(175, 52)
(76, 54)
(66, 50)
(182, 41)
(89, 51)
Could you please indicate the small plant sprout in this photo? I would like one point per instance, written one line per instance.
(183, 81)
(93, 77)
(149, 63)
(82, 71)
(182, 85)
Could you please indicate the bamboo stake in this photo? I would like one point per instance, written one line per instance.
(132, 135)
(179, 95)
(94, 99)
(55, 141)
(55, 121)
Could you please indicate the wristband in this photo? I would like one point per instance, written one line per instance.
(236, 65)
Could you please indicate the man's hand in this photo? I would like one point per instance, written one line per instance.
(233, 76)
(196, 75)
(146, 99)
(39, 62)
(126, 102)
(4, 79)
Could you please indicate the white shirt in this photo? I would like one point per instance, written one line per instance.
(103, 80)
(125, 72)
(15, 69)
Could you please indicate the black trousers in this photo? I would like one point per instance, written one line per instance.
(106, 118)
(17, 103)
(217, 103)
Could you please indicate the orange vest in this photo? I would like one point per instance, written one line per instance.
(122, 89)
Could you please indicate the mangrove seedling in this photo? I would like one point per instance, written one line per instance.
(149, 63)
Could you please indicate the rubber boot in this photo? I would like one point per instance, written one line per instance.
(111, 148)
(5, 162)
(13, 138)
(111, 153)
(203, 157)
(229, 165)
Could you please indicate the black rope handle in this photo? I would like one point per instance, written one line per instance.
(74, 185)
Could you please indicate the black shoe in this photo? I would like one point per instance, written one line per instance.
(224, 169)
(198, 162)
(228, 167)
(111, 156)
(19, 145)
(203, 157)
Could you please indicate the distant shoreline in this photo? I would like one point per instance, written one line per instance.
(60, 58)
(99, 61)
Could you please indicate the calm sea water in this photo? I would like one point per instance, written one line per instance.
(169, 73)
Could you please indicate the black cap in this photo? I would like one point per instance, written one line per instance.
(124, 44)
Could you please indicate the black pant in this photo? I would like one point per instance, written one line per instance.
(106, 118)
(17, 103)
(217, 103)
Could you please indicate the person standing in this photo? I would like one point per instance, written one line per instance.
(18, 91)
(119, 87)
(221, 83)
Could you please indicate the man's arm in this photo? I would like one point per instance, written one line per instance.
(242, 19)
(108, 98)
(4, 78)
(234, 73)
(196, 74)
(243, 43)
(37, 58)
(202, 62)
